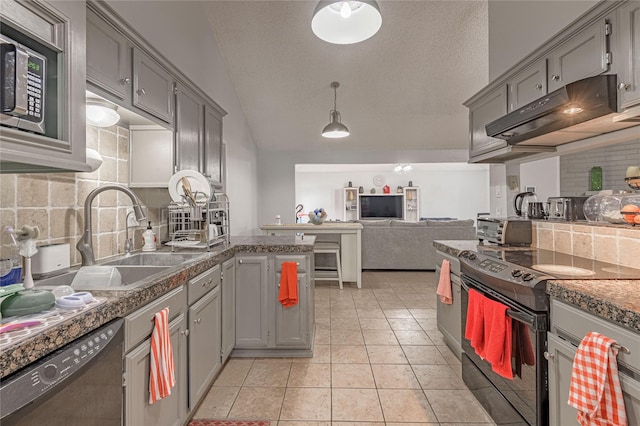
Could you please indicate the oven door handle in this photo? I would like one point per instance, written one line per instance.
(515, 314)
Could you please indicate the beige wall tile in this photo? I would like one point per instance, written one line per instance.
(123, 131)
(604, 230)
(605, 248)
(32, 190)
(92, 137)
(109, 170)
(562, 241)
(107, 220)
(34, 217)
(628, 252)
(83, 188)
(559, 226)
(107, 245)
(545, 238)
(107, 199)
(629, 232)
(582, 245)
(8, 218)
(108, 143)
(7, 191)
(63, 192)
(64, 223)
(582, 228)
(123, 146)
(123, 172)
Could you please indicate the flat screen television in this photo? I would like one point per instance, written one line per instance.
(380, 206)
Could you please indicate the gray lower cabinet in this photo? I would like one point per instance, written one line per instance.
(153, 87)
(481, 112)
(292, 327)
(170, 411)
(449, 316)
(204, 344)
(629, 51)
(569, 325)
(252, 298)
(228, 308)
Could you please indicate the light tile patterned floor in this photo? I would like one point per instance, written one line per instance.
(379, 359)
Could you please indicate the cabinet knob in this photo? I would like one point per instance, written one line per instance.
(555, 77)
(124, 81)
(539, 86)
(240, 261)
(197, 321)
(207, 283)
(624, 86)
(549, 357)
(141, 91)
(185, 333)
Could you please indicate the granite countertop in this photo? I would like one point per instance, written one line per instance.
(121, 303)
(614, 300)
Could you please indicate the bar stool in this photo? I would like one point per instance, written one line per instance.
(324, 274)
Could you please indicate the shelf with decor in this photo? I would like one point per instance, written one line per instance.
(350, 211)
(411, 203)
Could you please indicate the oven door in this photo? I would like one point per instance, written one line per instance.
(523, 400)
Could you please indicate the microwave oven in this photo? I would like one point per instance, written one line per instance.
(23, 75)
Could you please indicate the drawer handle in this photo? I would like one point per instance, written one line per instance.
(206, 284)
(197, 321)
(141, 91)
(549, 357)
(621, 348)
(185, 333)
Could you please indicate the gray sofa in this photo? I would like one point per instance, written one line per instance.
(396, 244)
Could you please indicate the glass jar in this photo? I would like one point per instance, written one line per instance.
(610, 207)
(591, 206)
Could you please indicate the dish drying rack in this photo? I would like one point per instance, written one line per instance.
(200, 224)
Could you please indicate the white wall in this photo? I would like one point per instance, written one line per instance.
(179, 30)
(446, 189)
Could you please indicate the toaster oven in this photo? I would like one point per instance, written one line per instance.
(508, 232)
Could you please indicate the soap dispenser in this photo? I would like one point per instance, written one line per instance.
(149, 239)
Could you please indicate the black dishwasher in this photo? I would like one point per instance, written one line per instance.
(79, 384)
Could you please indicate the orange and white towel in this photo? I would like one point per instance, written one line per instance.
(444, 283)
(288, 294)
(162, 371)
(595, 386)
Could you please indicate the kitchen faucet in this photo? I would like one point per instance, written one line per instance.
(85, 245)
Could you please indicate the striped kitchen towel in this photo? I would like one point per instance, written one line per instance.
(595, 386)
(161, 375)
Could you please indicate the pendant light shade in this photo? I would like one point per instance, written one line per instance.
(335, 129)
(101, 113)
(346, 22)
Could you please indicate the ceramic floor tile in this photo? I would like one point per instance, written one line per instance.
(353, 405)
(301, 423)
(436, 337)
(397, 313)
(338, 324)
(423, 313)
(374, 324)
(413, 338)
(306, 404)
(321, 355)
(265, 373)
(352, 376)
(322, 336)
(370, 313)
(389, 376)
(423, 355)
(446, 405)
(438, 377)
(349, 354)
(404, 324)
(428, 323)
(217, 403)
(406, 405)
(234, 372)
(379, 337)
(366, 304)
(347, 337)
(391, 304)
(386, 354)
(257, 403)
(310, 376)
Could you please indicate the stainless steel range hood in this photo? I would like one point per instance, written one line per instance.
(579, 110)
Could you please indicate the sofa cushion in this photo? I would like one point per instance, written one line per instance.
(459, 222)
(405, 224)
(373, 222)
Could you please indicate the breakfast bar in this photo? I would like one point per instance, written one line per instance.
(350, 240)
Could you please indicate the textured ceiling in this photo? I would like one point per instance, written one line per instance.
(401, 89)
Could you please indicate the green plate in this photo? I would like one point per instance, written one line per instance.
(27, 302)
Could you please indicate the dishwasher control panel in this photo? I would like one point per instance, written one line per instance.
(36, 379)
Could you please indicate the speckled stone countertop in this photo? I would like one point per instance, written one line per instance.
(614, 300)
(121, 303)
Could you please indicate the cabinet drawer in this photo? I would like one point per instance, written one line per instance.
(139, 325)
(574, 324)
(203, 283)
(301, 262)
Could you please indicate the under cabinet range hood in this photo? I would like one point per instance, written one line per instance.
(579, 110)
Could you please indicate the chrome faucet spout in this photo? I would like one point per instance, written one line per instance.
(85, 245)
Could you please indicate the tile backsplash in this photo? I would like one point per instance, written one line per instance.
(55, 201)
(614, 244)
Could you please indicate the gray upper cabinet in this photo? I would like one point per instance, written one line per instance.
(108, 59)
(228, 308)
(481, 112)
(153, 87)
(528, 85)
(628, 34)
(252, 302)
(583, 55)
(212, 159)
(189, 128)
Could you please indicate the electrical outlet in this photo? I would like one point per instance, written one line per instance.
(498, 211)
(498, 191)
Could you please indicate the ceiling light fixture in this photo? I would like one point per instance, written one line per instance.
(402, 168)
(346, 22)
(335, 129)
(101, 113)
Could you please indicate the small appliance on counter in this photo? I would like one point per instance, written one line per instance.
(567, 209)
(521, 202)
(51, 260)
(507, 232)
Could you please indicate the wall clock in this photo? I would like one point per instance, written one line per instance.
(378, 180)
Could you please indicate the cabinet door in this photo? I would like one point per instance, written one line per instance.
(212, 158)
(108, 59)
(583, 55)
(204, 344)
(189, 119)
(167, 411)
(252, 313)
(152, 87)
(528, 85)
(292, 329)
(560, 359)
(449, 316)
(485, 110)
(150, 156)
(228, 308)
(629, 45)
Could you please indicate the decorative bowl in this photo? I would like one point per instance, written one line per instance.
(317, 216)
(317, 220)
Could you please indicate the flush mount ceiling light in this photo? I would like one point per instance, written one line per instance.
(101, 113)
(346, 22)
(402, 168)
(335, 129)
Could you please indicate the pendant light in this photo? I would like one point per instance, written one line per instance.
(346, 21)
(101, 113)
(335, 129)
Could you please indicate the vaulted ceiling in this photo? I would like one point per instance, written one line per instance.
(402, 89)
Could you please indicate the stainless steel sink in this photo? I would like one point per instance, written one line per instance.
(153, 259)
(132, 277)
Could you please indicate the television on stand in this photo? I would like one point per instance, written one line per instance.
(381, 206)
